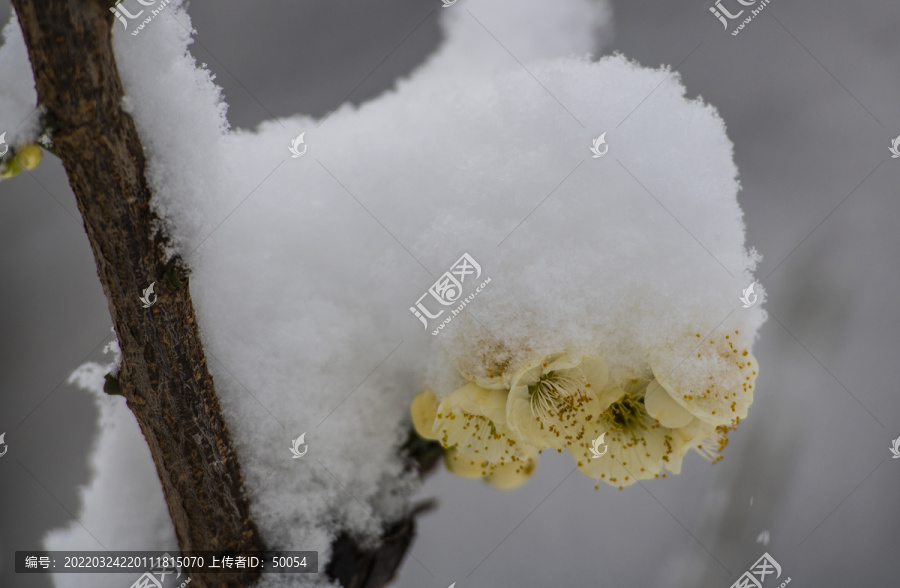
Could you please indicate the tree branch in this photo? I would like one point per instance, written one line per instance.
(164, 374)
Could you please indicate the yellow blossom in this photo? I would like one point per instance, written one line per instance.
(714, 383)
(553, 400)
(472, 419)
(494, 426)
(469, 424)
(638, 446)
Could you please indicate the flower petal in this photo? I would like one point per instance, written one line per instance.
(595, 372)
(464, 420)
(561, 361)
(464, 466)
(715, 383)
(527, 375)
(474, 399)
(521, 420)
(609, 395)
(511, 474)
(423, 411)
(490, 382)
(663, 408)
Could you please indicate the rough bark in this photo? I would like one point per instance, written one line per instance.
(164, 374)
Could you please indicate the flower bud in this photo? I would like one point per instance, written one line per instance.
(10, 169)
(29, 156)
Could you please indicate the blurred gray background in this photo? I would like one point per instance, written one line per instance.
(810, 92)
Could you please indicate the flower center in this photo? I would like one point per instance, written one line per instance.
(626, 414)
(559, 400)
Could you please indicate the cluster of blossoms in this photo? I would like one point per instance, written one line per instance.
(494, 426)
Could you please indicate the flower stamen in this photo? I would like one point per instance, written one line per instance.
(626, 414)
(560, 401)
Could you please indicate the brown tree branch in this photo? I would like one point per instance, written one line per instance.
(164, 374)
